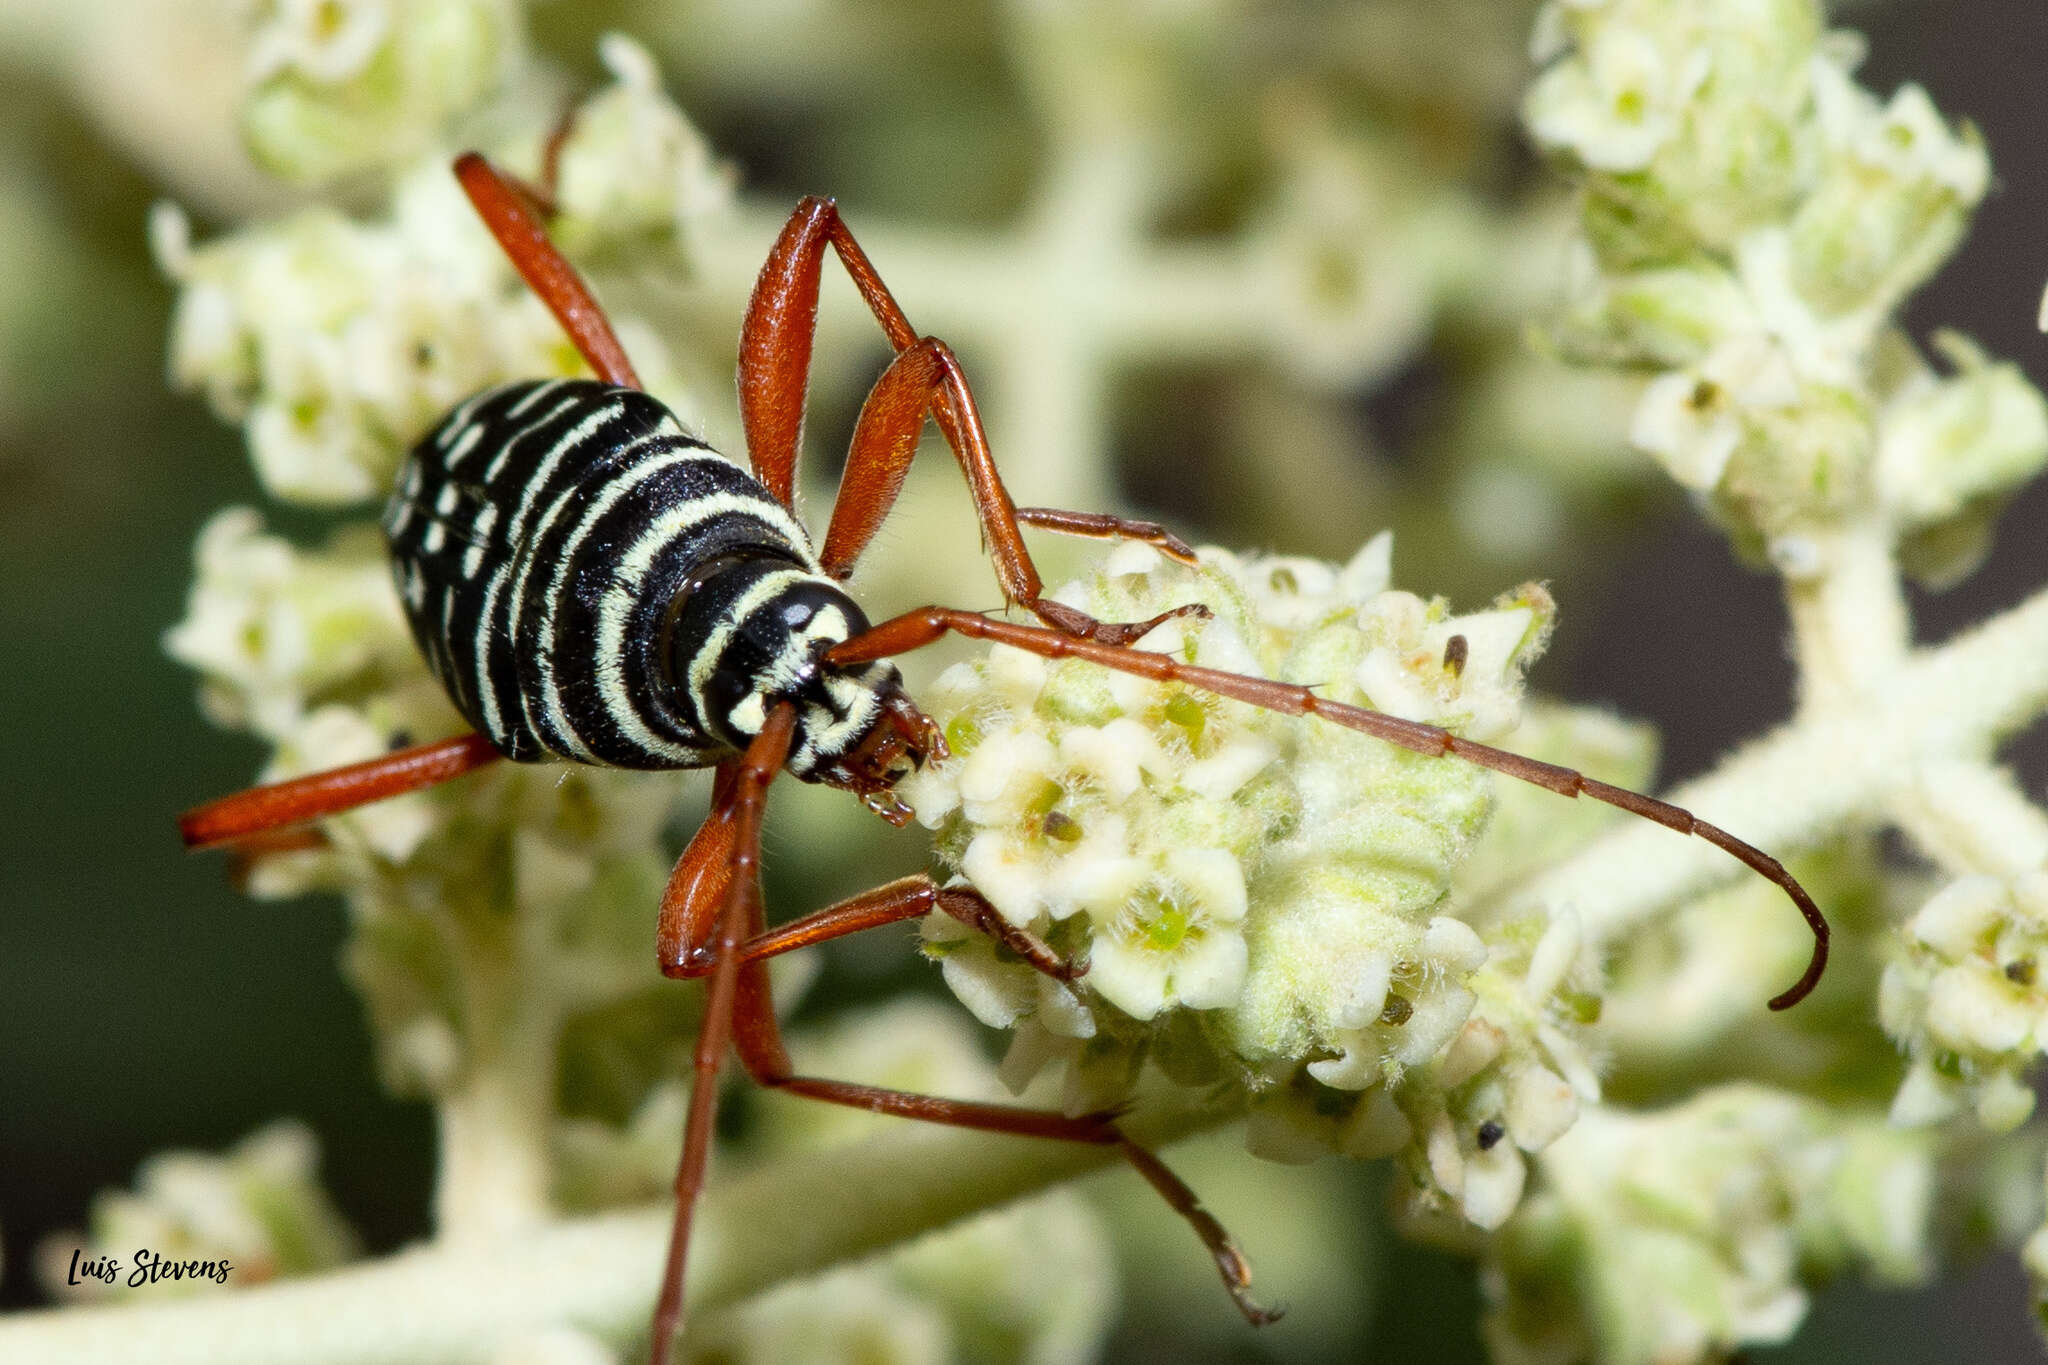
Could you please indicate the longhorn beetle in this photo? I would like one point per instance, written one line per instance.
(592, 583)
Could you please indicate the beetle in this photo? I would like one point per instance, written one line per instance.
(591, 583)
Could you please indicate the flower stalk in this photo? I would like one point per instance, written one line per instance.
(778, 1222)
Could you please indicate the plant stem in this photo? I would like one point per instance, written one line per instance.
(779, 1221)
(495, 1122)
(1972, 818)
(493, 1178)
(1850, 628)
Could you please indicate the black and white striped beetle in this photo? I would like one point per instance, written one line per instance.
(591, 583)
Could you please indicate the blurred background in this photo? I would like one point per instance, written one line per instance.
(146, 1004)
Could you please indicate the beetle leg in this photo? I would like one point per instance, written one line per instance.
(246, 815)
(925, 379)
(906, 899)
(729, 895)
(514, 219)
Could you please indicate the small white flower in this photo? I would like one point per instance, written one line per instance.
(1687, 422)
(1913, 142)
(1478, 1045)
(1540, 1107)
(1007, 776)
(1967, 999)
(1693, 420)
(1175, 942)
(1969, 1011)
(270, 627)
(328, 41)
(1010, 872)
(1114, 757)
(1944, 443)
(1552, 960)
(1615, 103)
(1453, 946)
(1493, 1180)
(1961, 916)
(1436, 1017)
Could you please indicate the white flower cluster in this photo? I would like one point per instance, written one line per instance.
(1679, 1236)
(1752, 217)
(1261, 899)
(1511, 1083)
(274, 630)
(1967, 1000)
(259, 1208)
(342, 85)
(307, 649)
(337, 343)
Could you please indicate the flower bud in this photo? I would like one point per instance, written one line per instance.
(343, 85)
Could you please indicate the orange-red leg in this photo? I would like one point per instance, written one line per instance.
(1103, 526)
(688, 922)
(259, 810)
(515, 222)
(735, 899)
(905, 899)
(924, 379)
(781, 322)
(758, 1038)
(715, 914)
(921, 627)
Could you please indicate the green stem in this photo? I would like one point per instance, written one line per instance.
(1971, 817)
(1850, 628)
(777, 1222)
(493, 1179)
(496, 1121)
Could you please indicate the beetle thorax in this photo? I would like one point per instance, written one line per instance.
(748, 632)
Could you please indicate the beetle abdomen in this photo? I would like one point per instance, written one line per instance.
(539, 536)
